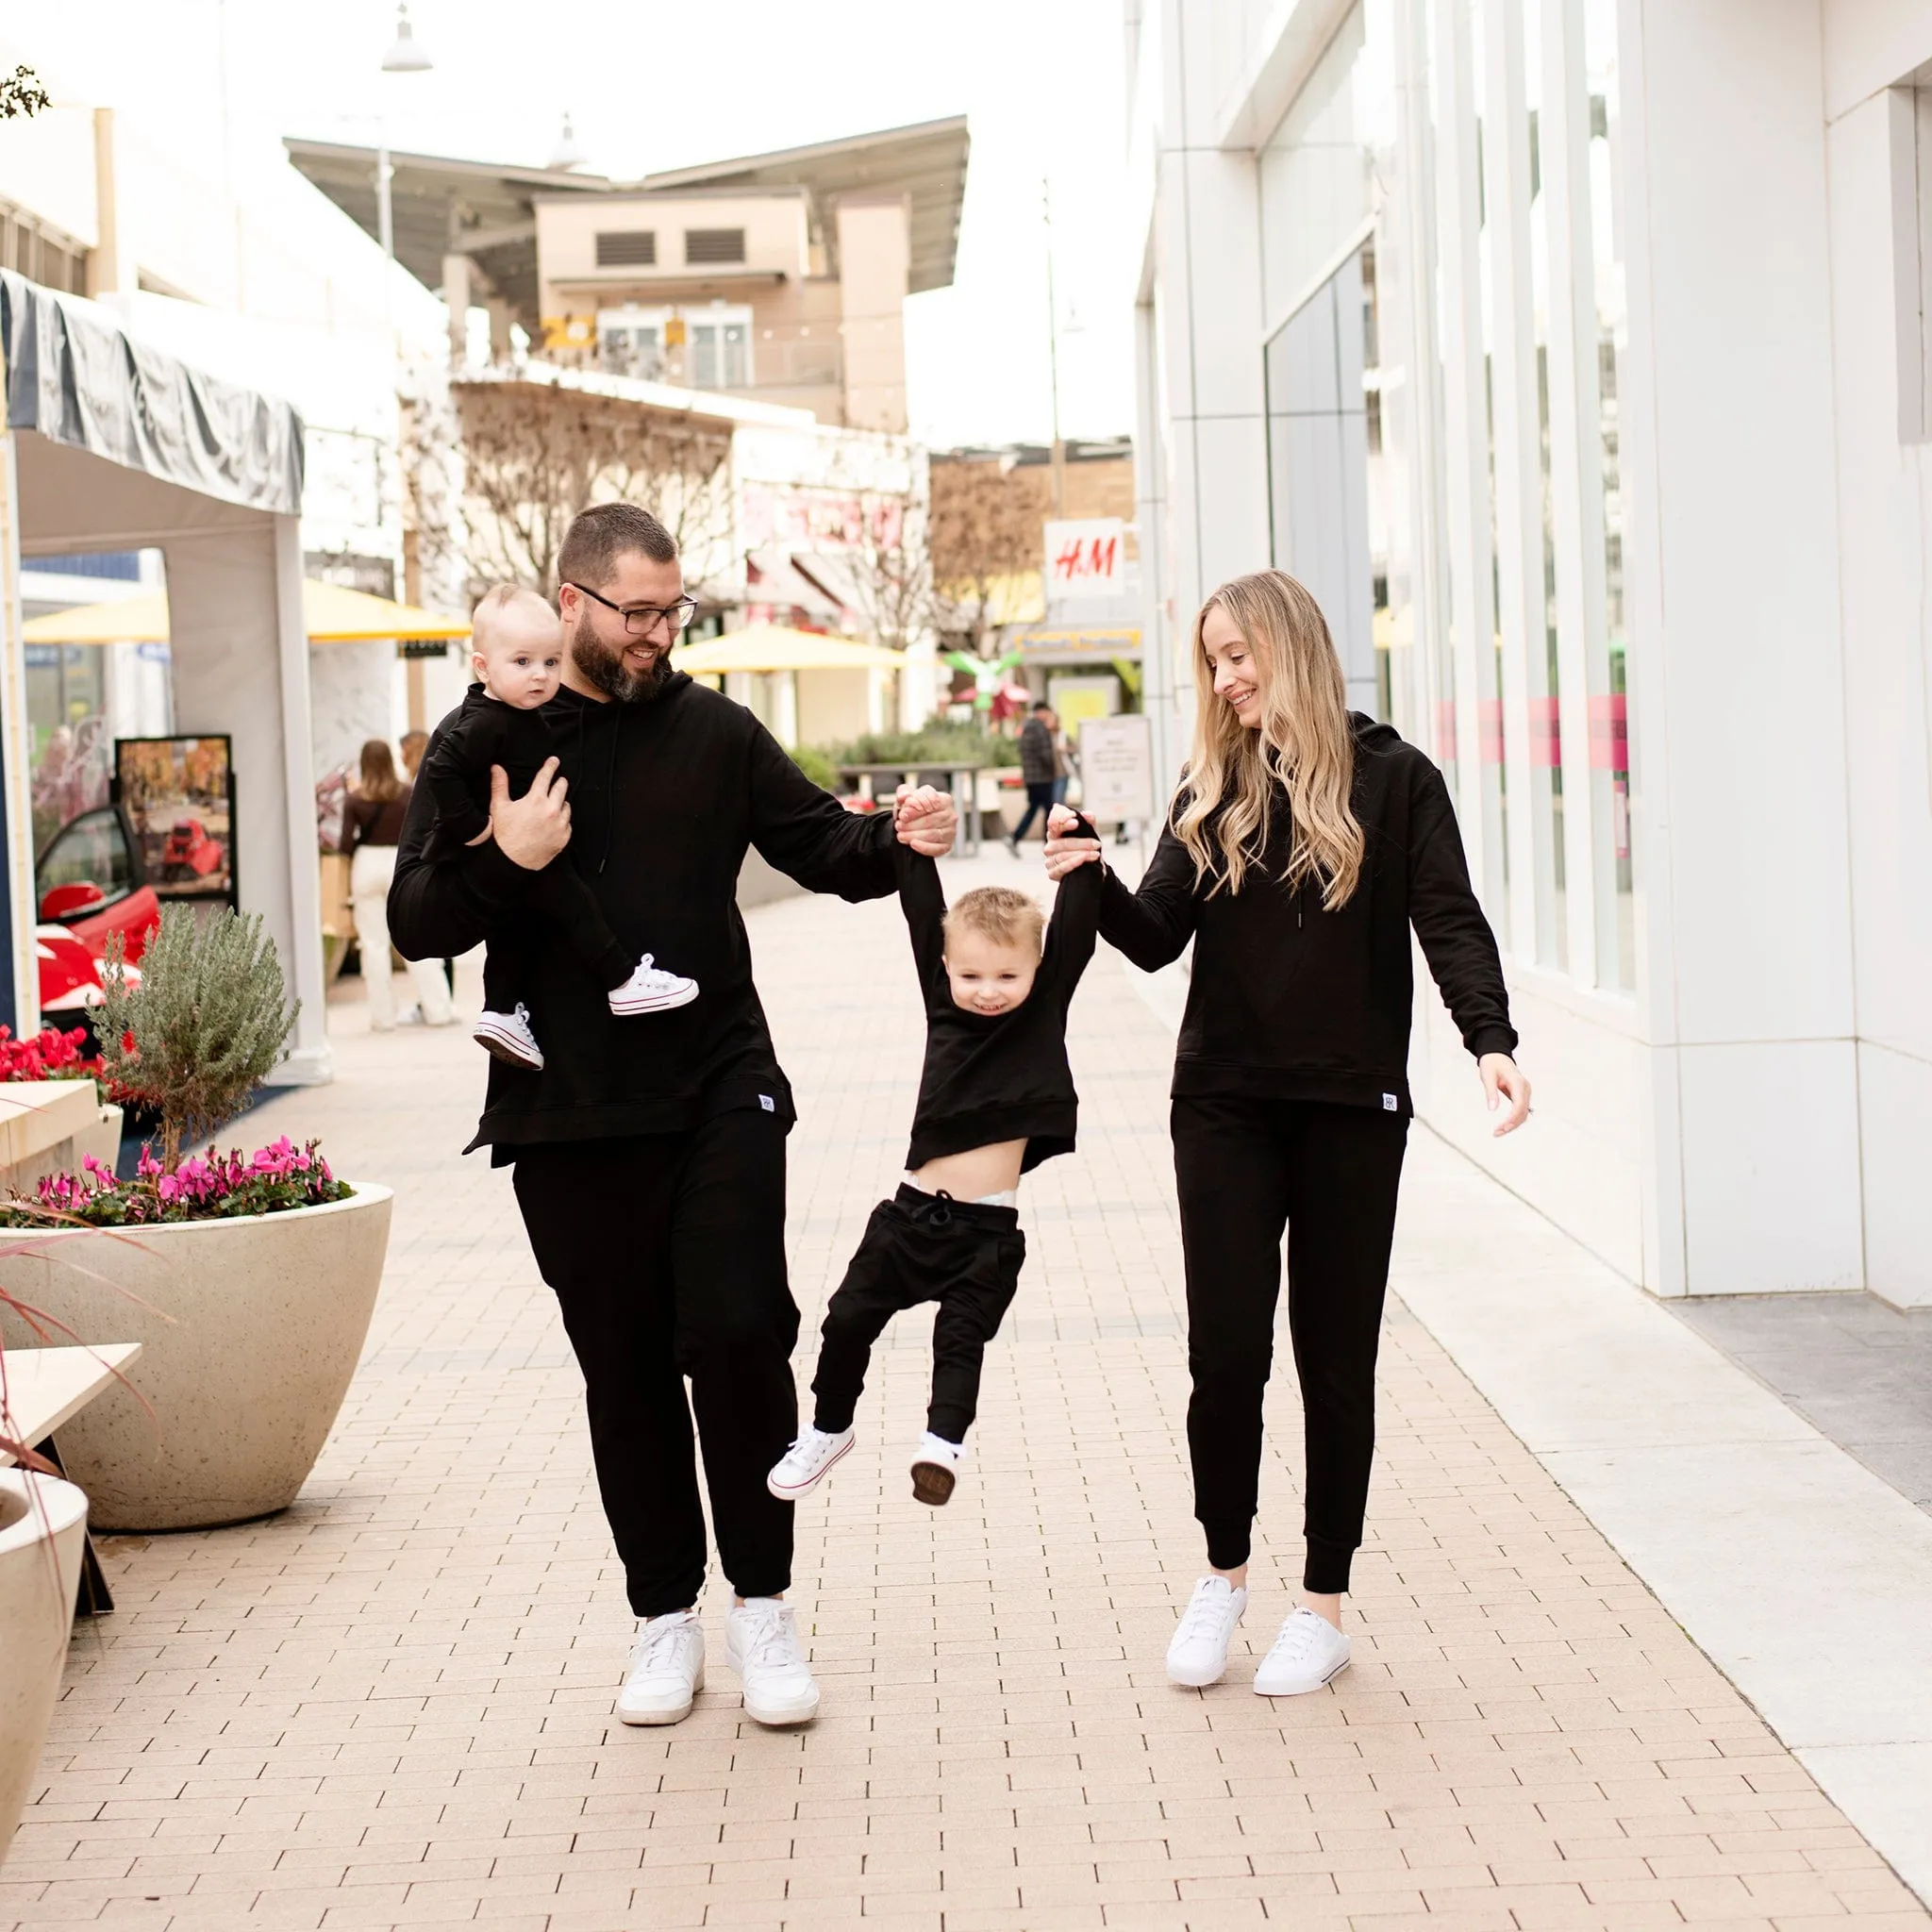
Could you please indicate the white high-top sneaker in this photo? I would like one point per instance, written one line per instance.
(667, 1671)
(808, 1463)
(509, 1037)
(1309, 1652)
(936, 1469)
(761, 1645)
(650, 990)
(1197, 1657)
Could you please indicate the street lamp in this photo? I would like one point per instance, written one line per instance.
(404, 55)
(568, 151)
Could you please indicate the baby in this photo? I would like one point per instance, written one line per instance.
(995, 1099)
(517, 654)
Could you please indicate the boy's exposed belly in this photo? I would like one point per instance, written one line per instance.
(975, 1171)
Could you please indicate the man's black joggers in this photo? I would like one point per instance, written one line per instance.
(1329, 1173)
(667, 1255)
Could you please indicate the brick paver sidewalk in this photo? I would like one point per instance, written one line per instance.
(393, 1706)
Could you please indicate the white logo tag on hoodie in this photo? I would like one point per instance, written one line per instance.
(1389, 1103)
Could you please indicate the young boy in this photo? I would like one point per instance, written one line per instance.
(517, 654)
(995, 1100)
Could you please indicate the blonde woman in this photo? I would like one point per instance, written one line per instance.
(1304, 842)
(371, 830)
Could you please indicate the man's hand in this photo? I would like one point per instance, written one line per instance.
(1064, 854)
(533, 829)
(1502, 1079)
(926, 819)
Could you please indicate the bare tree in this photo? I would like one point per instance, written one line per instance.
(22, 96)
(891, 571)
(984, 533)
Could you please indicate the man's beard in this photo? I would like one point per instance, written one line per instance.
(607, 670)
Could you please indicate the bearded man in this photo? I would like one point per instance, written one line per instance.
(650, 1153)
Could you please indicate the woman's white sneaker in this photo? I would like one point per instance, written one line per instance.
(1198, 1654)
(806, 1464)
(761, 1645)
(1308, 1653)
(509, 1037)
(667, 1671)
(651, 990)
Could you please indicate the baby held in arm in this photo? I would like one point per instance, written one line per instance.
(995, 1099)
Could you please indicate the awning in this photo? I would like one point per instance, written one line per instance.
(775, 647)
(78, 378)
(332, 614)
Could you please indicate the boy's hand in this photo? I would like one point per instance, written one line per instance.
(1067, 847)
(924, 819)
(1502, 1079)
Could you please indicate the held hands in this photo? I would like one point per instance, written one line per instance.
(1064, 853)
(531, 830)
(924, 819)
(1502, 1079)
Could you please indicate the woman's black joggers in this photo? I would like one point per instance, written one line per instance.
(1329, 1173)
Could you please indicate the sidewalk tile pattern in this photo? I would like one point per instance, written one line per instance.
(392, 1706)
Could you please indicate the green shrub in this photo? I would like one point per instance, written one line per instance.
(932, 744)
(818, 764)
(205, 1026)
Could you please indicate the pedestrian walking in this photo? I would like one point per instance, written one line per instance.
(371, 830)
(1303, 844)
(650, 1159)
(1042, 768)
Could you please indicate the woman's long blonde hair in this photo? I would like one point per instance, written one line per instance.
(1304, 742)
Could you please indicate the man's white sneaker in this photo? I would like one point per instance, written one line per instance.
(649, 990)
(1198, 1654)
(761, 1645)
(806, 1464)
(1308, 1653)
(936, 1469)
(667, 1671)
(509, 1037)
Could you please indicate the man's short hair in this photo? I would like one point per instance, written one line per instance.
(998, 913)
(607, 531)
(1041, 704)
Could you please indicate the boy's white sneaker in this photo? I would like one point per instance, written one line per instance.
(761, 1645)
(1308, 1653)
(935, 1468)
(650, 990)
(667, 1671)
(509, 1037)
(806, 1463)
(1198, 1654)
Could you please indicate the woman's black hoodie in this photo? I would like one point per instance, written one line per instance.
(1289, 1001)
(665, 795)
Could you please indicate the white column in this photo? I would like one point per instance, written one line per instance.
(16, 758)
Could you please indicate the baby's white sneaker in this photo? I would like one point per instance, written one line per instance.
(806, 1464)
(667, 1671)
(509, 1037)
(935, 1468)
(1308, 1653)
(1197, 1657)
(761, 1643)
(650, 990)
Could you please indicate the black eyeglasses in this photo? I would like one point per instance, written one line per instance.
(640, 620)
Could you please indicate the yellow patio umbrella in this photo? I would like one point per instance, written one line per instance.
(334, 615)
(777, 647)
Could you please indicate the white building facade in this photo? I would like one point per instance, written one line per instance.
(1577, 354)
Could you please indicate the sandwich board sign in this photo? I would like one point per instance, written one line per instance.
(1116, 768)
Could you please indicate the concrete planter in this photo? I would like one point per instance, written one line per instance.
(42, 1528)
(268, 1313)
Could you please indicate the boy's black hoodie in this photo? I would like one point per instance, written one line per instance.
(1289, 1002)
(665, 795)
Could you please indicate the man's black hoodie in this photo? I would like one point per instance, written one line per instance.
(1289, 1002)
(665, 795)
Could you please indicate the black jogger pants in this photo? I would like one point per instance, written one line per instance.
(918, 1247)
(666, 1256)
(1329, 1173)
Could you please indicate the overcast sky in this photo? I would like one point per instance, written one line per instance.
(654, 86)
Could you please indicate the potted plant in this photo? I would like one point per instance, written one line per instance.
(249, 1280)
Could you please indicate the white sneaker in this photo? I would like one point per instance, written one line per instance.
(761, 1645)
(650, 990)
(1198, 1654)
(1308, 1654)
(667, 1671)
(509, 1037)
(935, 1468)
(806, 1463)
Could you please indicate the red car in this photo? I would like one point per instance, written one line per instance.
(90, 883)
(189, 853)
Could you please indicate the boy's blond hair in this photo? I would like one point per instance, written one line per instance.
(498, 604)
(998, 913)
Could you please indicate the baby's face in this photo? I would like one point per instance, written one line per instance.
(522, 661)
(986, 976)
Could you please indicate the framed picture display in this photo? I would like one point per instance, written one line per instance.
(178, 794)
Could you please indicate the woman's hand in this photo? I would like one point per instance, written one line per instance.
(1502, 1079)
(926, 819)
(1063, 855)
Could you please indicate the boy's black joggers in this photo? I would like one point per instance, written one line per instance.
(1330, 1172)
(918, 1247)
